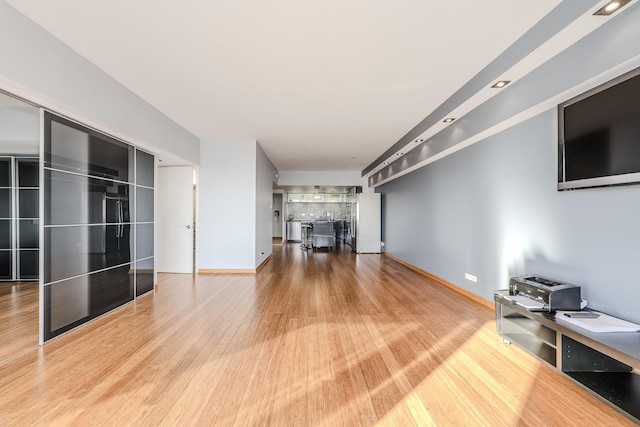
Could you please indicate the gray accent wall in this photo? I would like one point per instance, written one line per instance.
(493, 210)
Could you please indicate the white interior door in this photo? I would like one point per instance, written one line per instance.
(174, 219)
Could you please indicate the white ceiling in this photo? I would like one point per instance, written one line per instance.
(321, 86)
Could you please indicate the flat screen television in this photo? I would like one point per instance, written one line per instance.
(599, 135)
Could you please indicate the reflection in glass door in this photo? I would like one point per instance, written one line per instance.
(98, 251)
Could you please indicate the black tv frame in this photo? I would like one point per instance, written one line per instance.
(602, 181)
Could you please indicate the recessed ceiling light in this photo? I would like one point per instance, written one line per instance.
(611, 7)
(399, 154)
(419, 141)
(385, 163)
(501, 84)
(449, 119)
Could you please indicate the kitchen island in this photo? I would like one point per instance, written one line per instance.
(322, 233)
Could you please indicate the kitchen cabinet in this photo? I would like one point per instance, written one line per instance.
(318, 198)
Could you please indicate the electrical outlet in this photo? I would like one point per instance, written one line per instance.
(471, 277)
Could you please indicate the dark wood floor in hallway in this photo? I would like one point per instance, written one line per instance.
(315, 338)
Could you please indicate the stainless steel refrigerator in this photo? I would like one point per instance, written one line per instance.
(111, 212)
(366, 223)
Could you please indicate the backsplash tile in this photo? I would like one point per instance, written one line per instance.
(318, 211)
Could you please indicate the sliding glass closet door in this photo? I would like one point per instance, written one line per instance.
(28, 222)
(7, 193)
(90, 232)
(19, 218)
(144, 265)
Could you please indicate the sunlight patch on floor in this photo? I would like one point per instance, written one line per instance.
(469, 385)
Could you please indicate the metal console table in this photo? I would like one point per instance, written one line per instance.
(602, 362)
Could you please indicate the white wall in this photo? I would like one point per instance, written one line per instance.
(41, 69)
(227, 205)
(19, 129)
(265, 177)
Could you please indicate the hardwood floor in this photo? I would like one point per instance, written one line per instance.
(315, 338)
(18, 318)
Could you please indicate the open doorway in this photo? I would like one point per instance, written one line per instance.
(277, 218)
(19, 226)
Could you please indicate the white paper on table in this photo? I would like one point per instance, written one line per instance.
(526, 302)
(603, 323)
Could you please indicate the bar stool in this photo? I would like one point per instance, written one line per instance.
(305, 238)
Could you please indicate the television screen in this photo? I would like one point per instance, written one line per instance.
(599, 135)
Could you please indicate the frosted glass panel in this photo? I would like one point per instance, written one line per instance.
(5, 234)
(144, 169)
(28, 172)
(5, 265)
(144, 276)
(76, 149)
(144, 240)
(28, 262)
(72, 251)
(29, 235)
(5, 202)
(77, 300)
(144, 205)
(5, 172)
(68, 302)
(73, 199)
(28, 204)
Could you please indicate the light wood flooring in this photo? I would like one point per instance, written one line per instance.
(18, 318)
(315, 338)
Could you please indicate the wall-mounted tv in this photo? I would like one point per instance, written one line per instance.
(599, 135)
